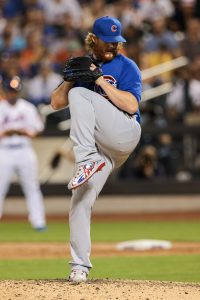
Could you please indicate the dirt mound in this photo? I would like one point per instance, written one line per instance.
(98, 290)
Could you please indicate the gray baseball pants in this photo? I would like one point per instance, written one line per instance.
(99, 130)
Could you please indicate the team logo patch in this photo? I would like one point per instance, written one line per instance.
(109, 79)
(113, 28)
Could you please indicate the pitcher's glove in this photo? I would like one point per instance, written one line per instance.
(78, 69)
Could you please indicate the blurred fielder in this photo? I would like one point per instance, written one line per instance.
(103, 92)
(19, 123)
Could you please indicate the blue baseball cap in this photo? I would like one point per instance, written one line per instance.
(108, 29)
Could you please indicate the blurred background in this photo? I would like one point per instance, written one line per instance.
(163, 38)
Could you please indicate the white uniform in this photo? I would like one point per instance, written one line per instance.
(17, 156)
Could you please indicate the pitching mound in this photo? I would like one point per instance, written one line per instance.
(98, 290)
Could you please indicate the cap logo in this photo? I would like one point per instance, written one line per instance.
(113, 28)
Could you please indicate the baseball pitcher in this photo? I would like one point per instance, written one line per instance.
(103, 92)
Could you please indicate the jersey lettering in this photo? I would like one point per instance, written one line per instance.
(110, 79)
(12, 120)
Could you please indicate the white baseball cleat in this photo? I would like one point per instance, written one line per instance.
(78, 276)
(84, 172)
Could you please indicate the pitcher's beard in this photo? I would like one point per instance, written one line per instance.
(105, 56)
(109, 55)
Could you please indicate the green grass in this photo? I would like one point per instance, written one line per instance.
(175, 268)
(104, 232)
(174, 231)
(22, 232)
(171, 268)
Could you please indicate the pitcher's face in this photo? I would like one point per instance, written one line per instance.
(105, 51)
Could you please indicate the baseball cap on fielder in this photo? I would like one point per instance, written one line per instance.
(108, 29)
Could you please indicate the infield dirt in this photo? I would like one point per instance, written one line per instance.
(26, 250)
(98, 290)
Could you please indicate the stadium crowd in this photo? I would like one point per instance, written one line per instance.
(38, 36)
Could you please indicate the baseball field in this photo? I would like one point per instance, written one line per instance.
(34, 265)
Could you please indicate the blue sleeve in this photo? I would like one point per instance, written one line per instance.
(130, 80)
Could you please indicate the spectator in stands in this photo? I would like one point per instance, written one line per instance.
(160, 46)
(56, 10)
(11, 40)
(128, 13)
(35, 21)
(1, 89)
(13, 8)
(93, 10)
(154, 58)
(9, 65)
(68, 43)
(161, 36)
(151, 9)
(177, 22)
(166, 156)
(34, 52)
(146, 163)
(197, 165)
(133, 47)
(41, 86)
(188, 9)
(183, 103)
(190, 46)
(197, 9)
